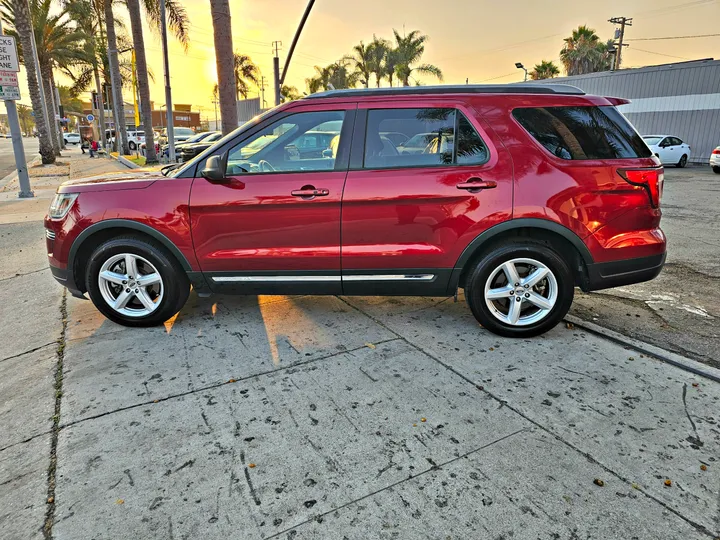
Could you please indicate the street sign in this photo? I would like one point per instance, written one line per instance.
(8, 54)
(9, 93)
(90, 117)
(8, 78)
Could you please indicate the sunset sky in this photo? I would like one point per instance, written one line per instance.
(476, 39)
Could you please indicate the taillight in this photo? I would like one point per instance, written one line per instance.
(651, 179)
(716, 151)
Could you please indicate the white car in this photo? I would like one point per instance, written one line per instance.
(669, 149)
(71, 138)
(135, 138)
(715, 160)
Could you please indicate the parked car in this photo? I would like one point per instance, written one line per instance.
(180, 134)
(71, 138)
(540, 189)
(670, 150)
(136, 137)
(715, 160)
(188, 150)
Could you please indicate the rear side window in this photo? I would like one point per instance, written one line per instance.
(577, 133)
(421, 138)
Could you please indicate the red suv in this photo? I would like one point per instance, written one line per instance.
(517, 194)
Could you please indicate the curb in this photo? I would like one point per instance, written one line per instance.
(13, 175)
(129, 164)
(674, 359)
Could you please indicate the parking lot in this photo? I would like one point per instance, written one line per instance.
(350, 417)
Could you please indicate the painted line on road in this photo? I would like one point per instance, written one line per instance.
(652, 351)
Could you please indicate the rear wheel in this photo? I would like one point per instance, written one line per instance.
(683, 161)
(716, 170)
(134, 282)
(520, 290)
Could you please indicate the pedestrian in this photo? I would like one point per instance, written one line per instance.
(93, 148)
(84, 144)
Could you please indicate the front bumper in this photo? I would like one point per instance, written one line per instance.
(65, 278)
(625, 272)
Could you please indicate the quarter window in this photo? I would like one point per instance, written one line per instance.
(578, 133)
(428, 137)
(300, 142)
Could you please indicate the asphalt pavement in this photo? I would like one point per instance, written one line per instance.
(334, 417)
(7, 157)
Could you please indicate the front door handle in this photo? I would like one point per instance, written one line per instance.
(309, 192)
(475, 184)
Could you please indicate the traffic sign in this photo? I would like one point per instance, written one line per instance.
(90, 117)
(8, 78)
(8, 54)
(9, 93)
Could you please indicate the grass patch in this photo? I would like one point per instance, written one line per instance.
(137, 160)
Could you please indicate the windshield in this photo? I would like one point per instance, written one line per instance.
(199, 136)
(652, 140)
(183, 131)
(419, 140)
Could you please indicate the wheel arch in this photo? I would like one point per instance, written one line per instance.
(558, 236)
(86, 242)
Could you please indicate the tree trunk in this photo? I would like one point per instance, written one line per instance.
(101, 105)
(142, 79)
(46, 72)
(61, 138)
(22, 25)
(116, 79)
(225, 62)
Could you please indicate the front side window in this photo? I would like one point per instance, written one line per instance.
(421, 138)
(578, 133)
(306, 141)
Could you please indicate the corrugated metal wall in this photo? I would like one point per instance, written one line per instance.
(692, 113)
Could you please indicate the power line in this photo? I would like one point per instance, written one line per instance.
(499, 77)
(674, 37)
(660, 11)
(660, 54)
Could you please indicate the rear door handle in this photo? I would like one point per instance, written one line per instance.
(311, 192)
(476, 184)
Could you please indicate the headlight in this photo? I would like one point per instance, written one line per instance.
(61, 205)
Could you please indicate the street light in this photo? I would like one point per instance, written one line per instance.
(612, 52)
(520, 66)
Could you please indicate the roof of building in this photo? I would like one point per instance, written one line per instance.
(522, 88)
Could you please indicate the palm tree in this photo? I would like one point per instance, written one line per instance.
(245, 72)
(289, 93)
(409, 50)
(378, 58)
(225, 63)
(178, 22)
(336, 76)
(118, 105)
(544, 70)
(21, 22)
(584, 52)
(362, 60)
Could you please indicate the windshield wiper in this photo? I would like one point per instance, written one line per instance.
(167, 168)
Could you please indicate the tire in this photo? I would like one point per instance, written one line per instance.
(132, 145)
(683, 161)
(150, 260)
(65, 141)
(555, 290)
(716, 170)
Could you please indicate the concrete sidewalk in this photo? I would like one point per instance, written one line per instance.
(335, 417)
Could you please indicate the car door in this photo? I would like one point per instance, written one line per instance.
(407, 217)
(272, 225)
(668, 150)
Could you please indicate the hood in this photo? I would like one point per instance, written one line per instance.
(136, 179)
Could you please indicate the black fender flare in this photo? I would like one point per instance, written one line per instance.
(126, 224)
(520, 223)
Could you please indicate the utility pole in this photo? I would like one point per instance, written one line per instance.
(262, 92)
(134, 85)
(215, 102)
(276, 70)
(620, 35)
(168, 90)
(16, 135)
(309, 7)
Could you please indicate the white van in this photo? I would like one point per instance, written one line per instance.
(71, 138)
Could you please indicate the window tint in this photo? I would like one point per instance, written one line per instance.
(675, 141)
(583, 132)
(421, 138)
(652, 140)
(300, 142)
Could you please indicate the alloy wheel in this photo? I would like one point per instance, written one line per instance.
(521, 292)
(131, 285)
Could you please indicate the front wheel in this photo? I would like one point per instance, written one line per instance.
(682, 162)
(520, 290)
(134, 282)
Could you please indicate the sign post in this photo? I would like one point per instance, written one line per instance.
(9, 92)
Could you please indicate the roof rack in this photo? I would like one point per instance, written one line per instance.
(518, 88)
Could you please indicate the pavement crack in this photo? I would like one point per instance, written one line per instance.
(52, 468)
(24, 274)
(433, 468)
(218, 385)
(28, 351)
(693, 440)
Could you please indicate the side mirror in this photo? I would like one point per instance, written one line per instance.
(214, 170)
(327, 153)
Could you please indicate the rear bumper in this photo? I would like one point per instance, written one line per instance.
(625, 272)
(64, 278)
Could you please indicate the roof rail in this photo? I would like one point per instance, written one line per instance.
(517, 88)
